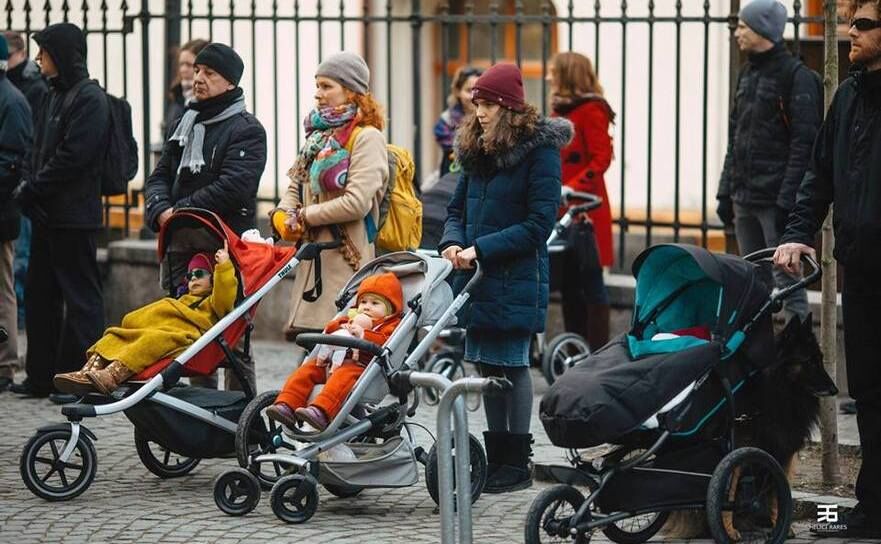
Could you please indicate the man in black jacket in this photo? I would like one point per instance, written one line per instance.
(846, 168)
(24, 74)
(62, 197)
(215, 152)
(773, 122)
(213, 158)
(16, 133)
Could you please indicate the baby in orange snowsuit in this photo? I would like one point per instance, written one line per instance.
(381, 299)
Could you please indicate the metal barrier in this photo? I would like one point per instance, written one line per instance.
(451, 413)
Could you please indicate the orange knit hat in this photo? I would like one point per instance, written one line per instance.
(385, 285)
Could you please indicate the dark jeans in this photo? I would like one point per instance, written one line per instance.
(756, 229)
(65, 304)
(861, 298)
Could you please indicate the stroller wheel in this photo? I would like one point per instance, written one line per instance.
(477, 458)
(637, 529)
(294, 498)
(550, 513)
(256, 434)
(50, 478)
(749, 499)
(561, 353)
(170, 465)
(446, 364)
(236, 492)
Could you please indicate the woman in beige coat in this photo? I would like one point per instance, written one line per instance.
(338, 180)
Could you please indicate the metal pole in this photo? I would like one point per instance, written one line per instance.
(829, 306)
(733, 70)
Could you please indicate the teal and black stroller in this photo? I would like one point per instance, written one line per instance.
(663, 397)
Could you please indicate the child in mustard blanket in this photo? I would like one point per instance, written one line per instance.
(161, 329)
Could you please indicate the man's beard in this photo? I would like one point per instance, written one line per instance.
(865, 56)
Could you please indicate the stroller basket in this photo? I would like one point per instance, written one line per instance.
(390, 464)
(673, 478)
(187, 435)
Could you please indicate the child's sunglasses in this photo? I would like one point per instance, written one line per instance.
(864, 24)
(197, 274)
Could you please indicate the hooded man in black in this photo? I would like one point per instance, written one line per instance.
(62, 197)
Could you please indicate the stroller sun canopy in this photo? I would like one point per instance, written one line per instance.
(675, 291)
(680, 286)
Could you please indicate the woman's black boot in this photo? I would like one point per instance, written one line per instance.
(514, 472)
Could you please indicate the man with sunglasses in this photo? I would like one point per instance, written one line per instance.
(776, 112)
(846, 168)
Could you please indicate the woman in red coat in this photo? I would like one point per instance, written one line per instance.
(577, 95)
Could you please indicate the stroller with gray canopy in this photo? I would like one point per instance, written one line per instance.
(371, 427)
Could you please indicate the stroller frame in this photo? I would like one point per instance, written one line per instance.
(386, 421)
(78, 437)
(587, 518)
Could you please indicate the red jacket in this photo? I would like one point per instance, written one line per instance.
(585, 161)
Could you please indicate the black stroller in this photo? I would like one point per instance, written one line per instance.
(663, 396)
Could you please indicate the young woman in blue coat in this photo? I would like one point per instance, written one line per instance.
(501, 214)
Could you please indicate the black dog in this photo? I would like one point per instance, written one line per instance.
(778, 409)
(784, 400)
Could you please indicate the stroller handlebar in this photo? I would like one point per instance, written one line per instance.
(590, 200)
(309, 340)
(775, 302)
(767, 254)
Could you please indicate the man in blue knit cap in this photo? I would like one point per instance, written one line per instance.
(774, 118)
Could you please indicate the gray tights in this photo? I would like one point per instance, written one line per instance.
(511, 412)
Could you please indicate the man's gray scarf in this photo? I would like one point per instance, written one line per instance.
(190, 135)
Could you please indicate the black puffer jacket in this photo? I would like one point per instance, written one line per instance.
(16, 136)
(69, 139)
(235, 156)
(27, 77)
(845, 168)
(766, 159)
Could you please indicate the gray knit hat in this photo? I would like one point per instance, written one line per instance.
(347, 68)
(766, 17)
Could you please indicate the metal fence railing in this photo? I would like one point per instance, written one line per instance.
(667, 67)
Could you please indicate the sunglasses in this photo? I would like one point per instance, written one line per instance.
(864, 24)
(197, 274)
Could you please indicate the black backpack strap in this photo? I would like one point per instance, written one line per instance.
(788, 82)
(74, 91)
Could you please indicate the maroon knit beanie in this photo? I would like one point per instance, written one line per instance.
(502, 84)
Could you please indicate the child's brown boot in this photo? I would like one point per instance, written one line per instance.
(106, 380)
(76, 382)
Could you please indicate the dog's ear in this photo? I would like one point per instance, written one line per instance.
(808, 322)
(792, 329)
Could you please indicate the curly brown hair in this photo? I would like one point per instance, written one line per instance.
(857, 4)
(509, 128)
(369, 110)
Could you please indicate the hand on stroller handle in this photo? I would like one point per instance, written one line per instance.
(767, 255)
(309, 340)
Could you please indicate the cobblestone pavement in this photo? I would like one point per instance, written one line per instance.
(126, 503)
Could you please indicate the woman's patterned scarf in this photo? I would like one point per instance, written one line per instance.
(323, 160)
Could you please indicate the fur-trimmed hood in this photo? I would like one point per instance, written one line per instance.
(549, 132)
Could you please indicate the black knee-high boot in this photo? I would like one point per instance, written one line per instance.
(513, 472)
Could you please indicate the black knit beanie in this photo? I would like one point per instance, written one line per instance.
(223, 60)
